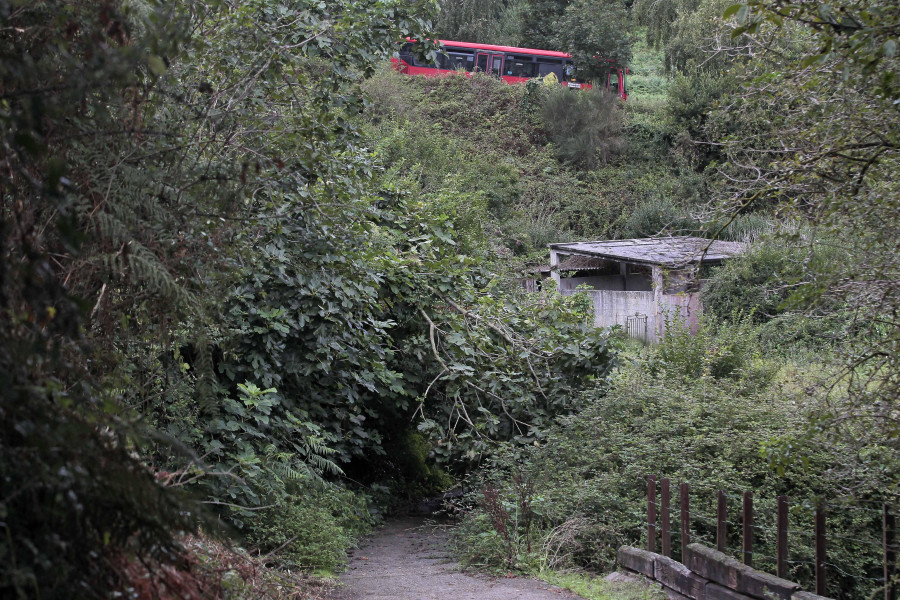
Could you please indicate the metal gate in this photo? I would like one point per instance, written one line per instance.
(636, 327)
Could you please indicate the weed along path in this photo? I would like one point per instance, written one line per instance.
(409, 559)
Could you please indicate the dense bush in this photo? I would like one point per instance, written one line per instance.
(768, 285)
(757, 283)
(312, 527)
(658, 216)
(479, 136)
(585, 127)
(587, 478)
(727, 349)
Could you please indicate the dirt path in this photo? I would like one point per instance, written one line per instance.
(409, 560)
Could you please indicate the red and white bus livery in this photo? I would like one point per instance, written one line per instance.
(513, 65)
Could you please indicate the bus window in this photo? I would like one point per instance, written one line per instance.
(461, 61)
(481, 62)
(517, 66)
(406, 54)
(546, 66)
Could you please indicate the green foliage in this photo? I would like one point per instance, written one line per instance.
(762, 284)
(312, 527)
(423, 478)
(585, 127)
(597, 588)
(656, 216)
(596, 34)
(151, 151)
(646, 80)
(217, 569)
(689, 102)
(477, 544)
(859, 36)
(586, 30)
(704, 431)
(660, 18)
(757, 283)
(539, 19)
(76, 501)
(482, 140)
(701, 41)
(494, 22)
(797, 331)
(726, 350)
(432, 161)
(210, 283)
(841, 182)
(695, 36)
(505, 532)
(508, 366)
(458, 135)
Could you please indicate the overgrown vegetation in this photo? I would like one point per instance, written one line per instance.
(257, 284)
(694, 409)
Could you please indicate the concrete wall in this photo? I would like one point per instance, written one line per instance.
(634, 282)
(639, 283)
(685, 305)
(709, 575)
(599, 282)
(613, 308)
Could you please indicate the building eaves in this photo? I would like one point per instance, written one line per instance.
(671, 252)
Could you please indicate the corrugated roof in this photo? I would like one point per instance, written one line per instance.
(663, 251)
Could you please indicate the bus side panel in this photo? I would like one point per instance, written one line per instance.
(430, 72)
(426, 71)
(511, 79)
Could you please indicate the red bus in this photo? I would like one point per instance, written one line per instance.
(513, 65)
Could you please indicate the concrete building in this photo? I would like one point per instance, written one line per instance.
(637, 283)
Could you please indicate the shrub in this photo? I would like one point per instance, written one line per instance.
(585, 126)
(656, 216)
(721, 350)
(589, 474)
(507, 530)
(312, 528)
(755, 283)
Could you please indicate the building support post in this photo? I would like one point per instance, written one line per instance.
(554, 267)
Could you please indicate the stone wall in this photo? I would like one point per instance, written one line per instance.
(709, 575)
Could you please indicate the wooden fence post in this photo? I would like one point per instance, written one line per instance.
(782, 533)
(890, 555)
(685, 516)
(651, 513)
(722, 524)
(820, 551)
(665, 517)
(748, 529)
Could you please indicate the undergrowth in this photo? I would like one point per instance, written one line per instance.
(312, 528)
(596, 588)
(696, 408)
(207, 569)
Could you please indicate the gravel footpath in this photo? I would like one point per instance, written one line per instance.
(408, 559)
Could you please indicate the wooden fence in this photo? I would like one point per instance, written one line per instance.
(747, 516)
